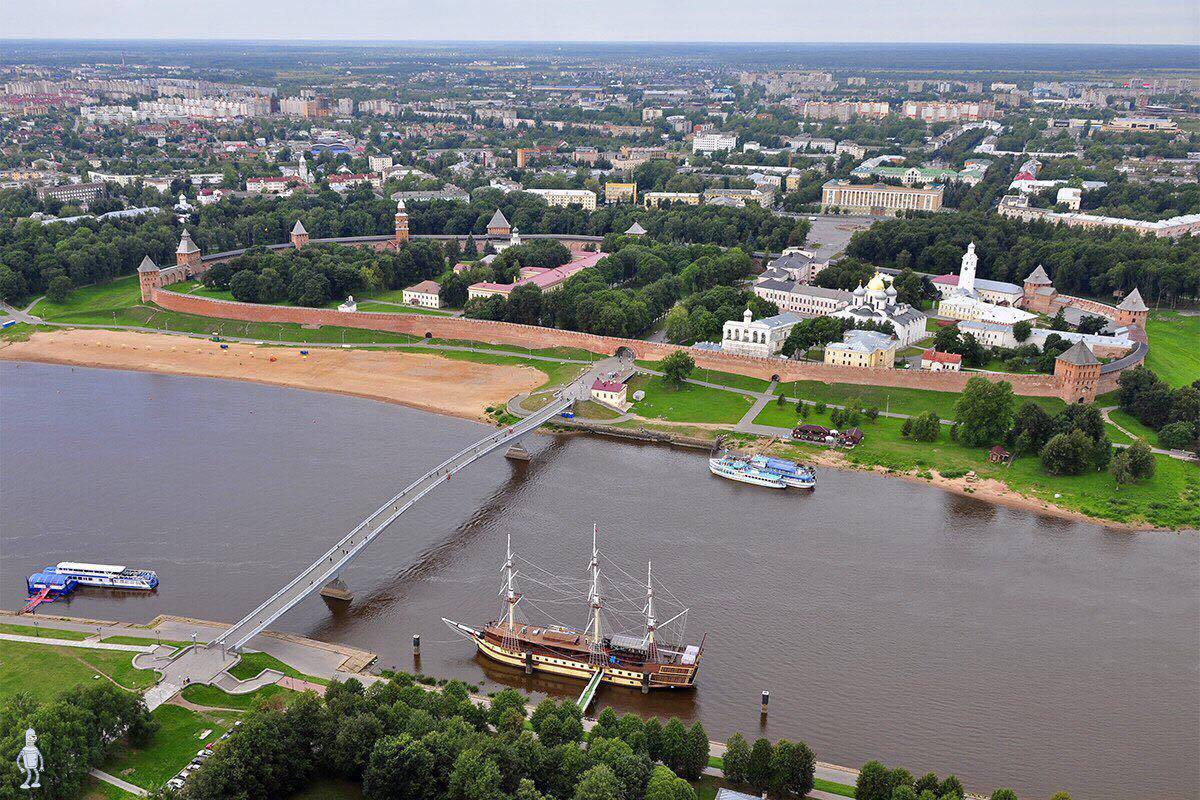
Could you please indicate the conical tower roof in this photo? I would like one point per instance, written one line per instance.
(1039, 276)
(1133, 302)
(498, 220)
(298, 229)
(635, 229)
(186, 245)
(147, 265)
(1080, 355)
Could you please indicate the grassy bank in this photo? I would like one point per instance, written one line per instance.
(1171, 499)
(689, 404)
(44, 670)
(252, 664)
(181, 733)
(1174, 347)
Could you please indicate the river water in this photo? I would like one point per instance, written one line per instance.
(888, 619)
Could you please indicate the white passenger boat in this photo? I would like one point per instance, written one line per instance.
(110, 576)
(735, 469)
(792, 474)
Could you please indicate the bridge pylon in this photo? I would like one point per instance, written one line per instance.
(337, 589)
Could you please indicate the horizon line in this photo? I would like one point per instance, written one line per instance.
(777, 42)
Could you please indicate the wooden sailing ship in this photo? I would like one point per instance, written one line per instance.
(645, 657)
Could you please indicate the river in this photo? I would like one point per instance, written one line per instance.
(888, 619)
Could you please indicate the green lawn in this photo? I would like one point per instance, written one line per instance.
(1134, 426)
(45, 670)
(896, 400)
(822, 785)
(169, 750)
(204, 695)
(689, 404)
(591, 410)
(1171, 499)
(1174, 347)
(712, 376)
(97, 789)
(98, 298)
(387, 308)
(42, 631)
(254, 663)
(141, 640)
(780, 416)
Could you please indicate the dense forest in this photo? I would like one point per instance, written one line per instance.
(1091, 263)
(626, 292)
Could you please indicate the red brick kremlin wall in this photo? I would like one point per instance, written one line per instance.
(508, 333)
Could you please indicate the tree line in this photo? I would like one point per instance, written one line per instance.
(1173, 412)
(1091, 263)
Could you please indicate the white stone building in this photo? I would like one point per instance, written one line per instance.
(966, 302)
(761, 338)
(426, 294)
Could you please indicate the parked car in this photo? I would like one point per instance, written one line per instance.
(175, 783)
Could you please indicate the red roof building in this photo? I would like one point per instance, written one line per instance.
(936, 361)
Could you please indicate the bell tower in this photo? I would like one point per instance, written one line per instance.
(401, 223)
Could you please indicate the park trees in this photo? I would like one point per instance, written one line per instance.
(984, 411)
(676, 367)
(399, 764)
(737, 758)
(923, 428)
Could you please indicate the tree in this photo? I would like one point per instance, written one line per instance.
(475, 777)
(665, 785)
(695, 753)
(904, 793)
(984, 411)
(351, 748)
(1022, 329)
(1141, 460)
(926, 783)
(598, 783)
(1067, 453)
(737, 758)
(924, 428)
(1032, 428)
(676, 368)
(952, 786)
(674, 744)
(874, 782)
(758, 771)
(58, 289)
(803, 768)
(1177, 436)
(244, 286)
(399, 765)
(1004, 794)
(1121, 470)
(679, 326)
(503, 701)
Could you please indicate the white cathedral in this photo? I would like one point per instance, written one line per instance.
(876, 302)
(965, 301)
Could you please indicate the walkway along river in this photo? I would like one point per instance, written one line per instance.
(888, 619)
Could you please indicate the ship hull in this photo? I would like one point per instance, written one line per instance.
(769, 482)
(660, 677)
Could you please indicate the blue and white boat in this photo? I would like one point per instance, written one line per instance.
(736, 469)
(109, 576)
(791, 473)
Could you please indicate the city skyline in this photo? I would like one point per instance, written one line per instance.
(1168, 22)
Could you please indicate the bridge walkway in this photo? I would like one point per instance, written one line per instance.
(334, 560)
(589, 692)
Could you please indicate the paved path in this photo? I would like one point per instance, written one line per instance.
(124, 786)
(88, 645)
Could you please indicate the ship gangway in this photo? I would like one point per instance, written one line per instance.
(330, 565)
(589, 692)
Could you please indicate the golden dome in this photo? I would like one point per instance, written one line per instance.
(877, 283)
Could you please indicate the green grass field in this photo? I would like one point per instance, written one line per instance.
(712, 376)
(169, 750)
(896, 400)
(141, 640)
(97, 299)
(254, 663)
(1174, 347)
(45, 670)
(1171, 499)
(211, 696)
(689, 404)
(41, 632)
(1135, 427)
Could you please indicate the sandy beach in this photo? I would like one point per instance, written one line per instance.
(431, 383)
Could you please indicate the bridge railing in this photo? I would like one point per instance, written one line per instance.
(263, 615)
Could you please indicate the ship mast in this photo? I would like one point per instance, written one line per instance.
(510, 595)
(651, 622)
(594, 598)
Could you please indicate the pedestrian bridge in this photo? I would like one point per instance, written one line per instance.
(330, 565)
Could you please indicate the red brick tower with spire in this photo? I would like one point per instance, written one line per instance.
(401, 223)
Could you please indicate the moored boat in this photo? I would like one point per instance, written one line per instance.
(800, 476)
(109, 576)
(652, 655)
(736, 469)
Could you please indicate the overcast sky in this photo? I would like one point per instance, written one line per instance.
(1041, 21)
